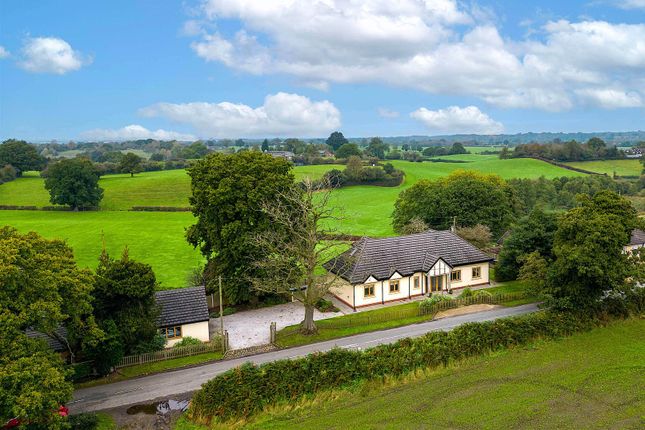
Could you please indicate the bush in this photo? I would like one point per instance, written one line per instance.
(8, 173)
(227, 311)
(84, 421)
(466, 292)
(427, 304)
(482, 293)
(187, 341)
(250, 388)
(324, 305)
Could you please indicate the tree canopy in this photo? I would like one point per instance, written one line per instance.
(21, 155)
(588, 250)
(227, 193)
(377, 148)
(74, 182)
(124, 292)
(348, 150)
(336, 140)
(130, 163)
(472, 197)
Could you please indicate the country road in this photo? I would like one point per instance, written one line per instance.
(147, 388)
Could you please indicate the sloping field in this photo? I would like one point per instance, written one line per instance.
(593, 380)
(629, 167)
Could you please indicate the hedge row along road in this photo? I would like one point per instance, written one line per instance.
(165, 385)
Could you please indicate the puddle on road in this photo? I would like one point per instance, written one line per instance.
(161, 408)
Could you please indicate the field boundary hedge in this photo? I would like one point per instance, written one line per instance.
(160, 209)
(44, 208)
(568, 167)
(248, 389)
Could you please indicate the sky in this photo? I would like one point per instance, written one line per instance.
(132, 69)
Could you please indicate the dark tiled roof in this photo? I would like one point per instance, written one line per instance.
(638, 237)
(406, 255)
(52, 341)
(182, 306)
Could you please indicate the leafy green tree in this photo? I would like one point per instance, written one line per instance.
(33, 381)
(472, 197)
(348, 150)
(227, 191)
(74, 182)
(588, 249)
(196, 150)
(478, 235)
(130, 163)
(43, 289)
(377, 148)
(532, 233)
(336, 140)
(21, 155)
(458, 148)
(354, 169)
(124, 292)
(265, 145)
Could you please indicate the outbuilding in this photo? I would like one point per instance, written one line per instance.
(183, 313)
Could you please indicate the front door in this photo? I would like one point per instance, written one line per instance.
(436, 283)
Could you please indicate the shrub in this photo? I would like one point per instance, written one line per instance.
(227, 311)
(429, 303)
(187, 341)
(466, 292)
(482, 293)
(324, 305)
(250, 388)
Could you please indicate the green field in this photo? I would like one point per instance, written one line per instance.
(158, 238)
(630, 167)
(590, 380)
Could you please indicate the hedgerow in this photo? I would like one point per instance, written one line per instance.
(245, 390)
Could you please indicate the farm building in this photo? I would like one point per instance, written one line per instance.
(183, 313)
(637, 240)
(376, 271)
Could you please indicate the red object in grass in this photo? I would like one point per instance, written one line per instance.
(12, 423)
(63, 411)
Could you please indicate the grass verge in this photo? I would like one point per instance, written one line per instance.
(590, 380)
(149, 368)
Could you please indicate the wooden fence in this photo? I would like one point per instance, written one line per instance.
(367, 318)
(170, 353)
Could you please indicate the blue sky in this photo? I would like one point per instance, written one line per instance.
(242, 68)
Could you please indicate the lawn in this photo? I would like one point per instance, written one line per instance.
(590, 380)
(629, 167)
(156, 238)
(382, 318)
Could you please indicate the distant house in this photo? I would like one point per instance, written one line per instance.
(637, 240)
(377, 271)
(183, 313)
(287, 155)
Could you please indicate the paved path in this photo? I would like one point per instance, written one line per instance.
(251, 328)
(145, 389)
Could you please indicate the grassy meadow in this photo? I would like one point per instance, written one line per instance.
(589, 380)
(158, 238)
(628, 167)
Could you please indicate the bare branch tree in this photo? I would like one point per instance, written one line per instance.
(298, 245)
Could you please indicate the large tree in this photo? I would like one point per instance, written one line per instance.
(21, 155)
(43, 289)
(292, 263)
(377, 148)
(130, 163)
(336, 140)
(348, 150)
(532, 233)
(588, 249)
(74, 182)
(467, 197)
(227, 194)
(124, 292)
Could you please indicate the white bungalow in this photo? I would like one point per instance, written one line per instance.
(377, 271)
(183, 313)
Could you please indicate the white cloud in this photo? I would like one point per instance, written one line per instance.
(631, 4)
(133, 132)
(457, 120)
(282, 114)
(387, 113)
(3, 53)
(51, 55)
(610, 98)
(436, 46)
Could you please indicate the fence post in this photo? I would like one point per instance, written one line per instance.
(226, 345)
(272, 332)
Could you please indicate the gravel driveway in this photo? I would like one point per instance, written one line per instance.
(251, 328)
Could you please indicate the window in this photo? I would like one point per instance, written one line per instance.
(455, 276)
(368, 290)
(477, 272)
(394, 286)
(170, 332)
(417, 282)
